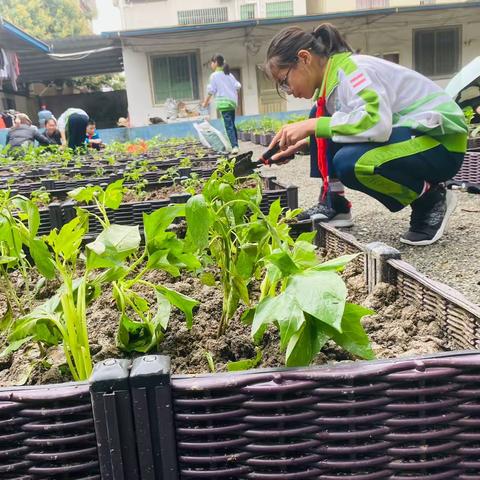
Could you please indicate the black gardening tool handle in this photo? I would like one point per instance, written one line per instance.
(266, 158)
(270, 153)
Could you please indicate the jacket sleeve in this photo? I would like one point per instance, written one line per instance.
(238, 85)
(62, 121)
(212, 87)
(41, 139)
(364, 113)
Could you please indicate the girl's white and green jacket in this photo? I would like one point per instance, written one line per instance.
(368, 96)
(225, 90)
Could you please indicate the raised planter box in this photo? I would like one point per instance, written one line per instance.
(473, 143)
(266, 139)
(59, 214)
(247, 136)
(470, 171)
(397, 419)
(255, 138)
(33, 179)
(243, 136)
(461, 318)
(48, 432)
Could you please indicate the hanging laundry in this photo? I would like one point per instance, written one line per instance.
(3, 64)
(13, 69)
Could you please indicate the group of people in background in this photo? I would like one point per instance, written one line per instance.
(73, 129)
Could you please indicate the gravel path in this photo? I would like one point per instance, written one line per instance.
(454, 259)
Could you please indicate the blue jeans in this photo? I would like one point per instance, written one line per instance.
(229, 121)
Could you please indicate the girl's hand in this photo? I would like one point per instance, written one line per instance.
(290, 135)
(282, 157)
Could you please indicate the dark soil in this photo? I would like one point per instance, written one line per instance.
(162, 193)
(395, 329)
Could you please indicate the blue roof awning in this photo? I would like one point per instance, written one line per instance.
(63, 58)
(14, 38)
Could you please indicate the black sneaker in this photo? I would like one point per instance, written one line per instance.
(430, 215)
(338, 215)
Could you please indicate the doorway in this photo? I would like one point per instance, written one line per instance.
(269, 100)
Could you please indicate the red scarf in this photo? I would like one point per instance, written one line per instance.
(322, 143)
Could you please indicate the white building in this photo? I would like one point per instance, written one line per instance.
(166, 49)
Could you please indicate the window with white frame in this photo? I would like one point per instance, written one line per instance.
(202, 16)
(247, 11)
(437, 51)
(367, 4)
(279, 9)
(174, 76)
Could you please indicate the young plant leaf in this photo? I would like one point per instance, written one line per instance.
(30, 210)
(5, 260)
(135, 336)
(42, 258)
(68, 240)
(14, 345)
(337, 264)
(182, 302)
(159, 260)
(320, 294)
(247, 364)
(304, 254)
(283, 261)
(208, 279)
(247, 316)
(112, 246)
(353, 337)
(275, 211)
(246, 261)
(6, 321)
(113, 195)
(305, 344)
(198, 220)
(211, 363)
(285, 311)
(164, 308)
(158, 221)
(85, 194)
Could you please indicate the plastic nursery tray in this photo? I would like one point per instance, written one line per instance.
(58, 215)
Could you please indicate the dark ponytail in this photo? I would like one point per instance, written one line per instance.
(220, 61)
(332, 40)
(325, 41)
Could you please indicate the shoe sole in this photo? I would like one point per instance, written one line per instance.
(343, 220)
(452, 200)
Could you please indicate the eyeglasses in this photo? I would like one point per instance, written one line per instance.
(284, 84)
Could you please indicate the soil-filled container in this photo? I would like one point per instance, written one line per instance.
(132, 213)
(266, 139)
(470, 171)
(384, 420)
(255, 138)
(243, 136)
(473, 143)
(403, 418)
